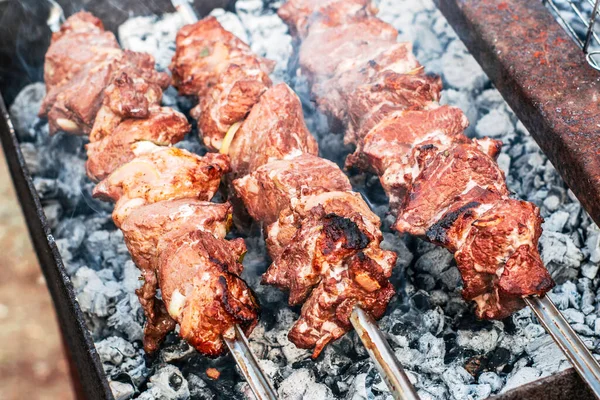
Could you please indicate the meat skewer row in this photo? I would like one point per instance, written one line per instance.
(322, 237)
(442, 186)
(175, 235)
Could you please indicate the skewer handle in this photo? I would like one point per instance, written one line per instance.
(569, 342)
(254, 375)
(383, 355)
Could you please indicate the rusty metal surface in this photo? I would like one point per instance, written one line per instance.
(561, 386)
(544, 77)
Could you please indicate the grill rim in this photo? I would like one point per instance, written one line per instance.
(77, 337)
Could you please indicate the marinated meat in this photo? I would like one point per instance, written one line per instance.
(175, 236)
(80, 42)
(148, 230)
(325, 315)
(229, 101)
(163, 126)
(442, 185)
(275, 129)
(273, 187)
(320, 235)
(302, 14)
(81, 63)
(203, 292)
(125, 98)
(161, 173)
(204, 50)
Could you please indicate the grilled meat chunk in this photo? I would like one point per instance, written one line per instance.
(273, 187)
(302, 14)
(81, 63)
(275, 129)
(229, 101)
(336, 52)
(148, 231)
(161, 173)
(203, 291)
(80, 43)
(326, 314)
(320, 234)
(204, 50)
(125, 98)
(442, 185)
(163, 126)
(326, 254)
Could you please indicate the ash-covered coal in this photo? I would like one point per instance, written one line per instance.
(447, 352)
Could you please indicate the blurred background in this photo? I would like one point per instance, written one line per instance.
(32, 360)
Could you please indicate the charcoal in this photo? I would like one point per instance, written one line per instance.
(556, 222)
(38, 163)
(96, 296)
(301, 385)
(24, 109)
(152, 34)
(520, 377)
(198, 388)
(460, 70)
(167, 383)
(573, 316)
(122, 391)
(495, 124)
(482, 341)
(46, 188)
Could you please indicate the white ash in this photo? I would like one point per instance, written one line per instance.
(431, 329)
(152, 34)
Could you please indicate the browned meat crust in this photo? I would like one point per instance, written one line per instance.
(442, 185)
(163, 127)
(161, 173)
(273, 187)
(323, 239)
(175, 236)
(203, 292)
(83, 61)
(275, 129)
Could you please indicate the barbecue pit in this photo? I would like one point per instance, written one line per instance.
(428, 323)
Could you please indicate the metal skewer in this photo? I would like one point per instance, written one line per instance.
(382, 354)
(569, 342)
(238, 345)
(255, 377)
(184, 8)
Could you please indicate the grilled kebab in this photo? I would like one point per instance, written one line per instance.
(322, 237)
(442, 186)
(175, 235)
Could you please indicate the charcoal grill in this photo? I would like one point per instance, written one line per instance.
(14, 75)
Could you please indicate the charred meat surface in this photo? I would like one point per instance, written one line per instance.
(175, 236)
(442, 185)
(323, 238)
(82, 62)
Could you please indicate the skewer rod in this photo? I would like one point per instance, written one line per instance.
(255, 377)
(569, 342)
(383, 355)
(184, 8)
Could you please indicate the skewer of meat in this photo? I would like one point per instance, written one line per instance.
(175, 235)
(442, 186)
(322, 237)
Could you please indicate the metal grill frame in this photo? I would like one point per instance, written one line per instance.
(591, 36)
